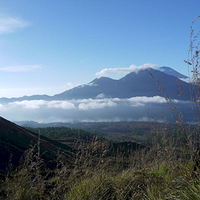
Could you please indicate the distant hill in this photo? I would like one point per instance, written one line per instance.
(15, 140)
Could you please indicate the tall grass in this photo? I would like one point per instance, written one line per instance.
(152, 174)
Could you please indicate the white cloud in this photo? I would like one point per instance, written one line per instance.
(132, 68)
(36, 104)
(33, 104)
(88, 84)
(86, 104)
(2, 107)
(101, 96)
(70, 85)
(144, 99)
(77, 101)
(21, 68)
(60, 104)
(106, 109)
(187, 80)
(9, 24)
(141, 101)
(97, 104)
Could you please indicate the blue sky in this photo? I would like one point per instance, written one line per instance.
(49, 46)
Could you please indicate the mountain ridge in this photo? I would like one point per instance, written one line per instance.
(131, 85)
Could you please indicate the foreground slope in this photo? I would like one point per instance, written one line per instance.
(15, 140)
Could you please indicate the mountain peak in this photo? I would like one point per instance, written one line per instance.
(172, 72)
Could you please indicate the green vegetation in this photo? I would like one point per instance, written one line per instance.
(66, 135)
(63, 132)
(158, 173)
(105, 170)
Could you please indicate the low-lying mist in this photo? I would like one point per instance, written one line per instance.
(97, 110)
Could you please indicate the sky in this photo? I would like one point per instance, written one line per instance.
(49, 46)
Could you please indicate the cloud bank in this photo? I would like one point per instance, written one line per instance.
(132, 68)
(105, 109)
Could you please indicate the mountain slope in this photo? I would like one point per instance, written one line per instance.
(132, 85)
(142, 84)
(91, 90)
(15, 140)
(172, 72)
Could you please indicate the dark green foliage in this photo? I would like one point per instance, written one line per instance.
(57, 133)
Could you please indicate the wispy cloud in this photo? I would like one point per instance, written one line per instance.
(132, 68)
(21, 68)
(70, 85)
(10, 24)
